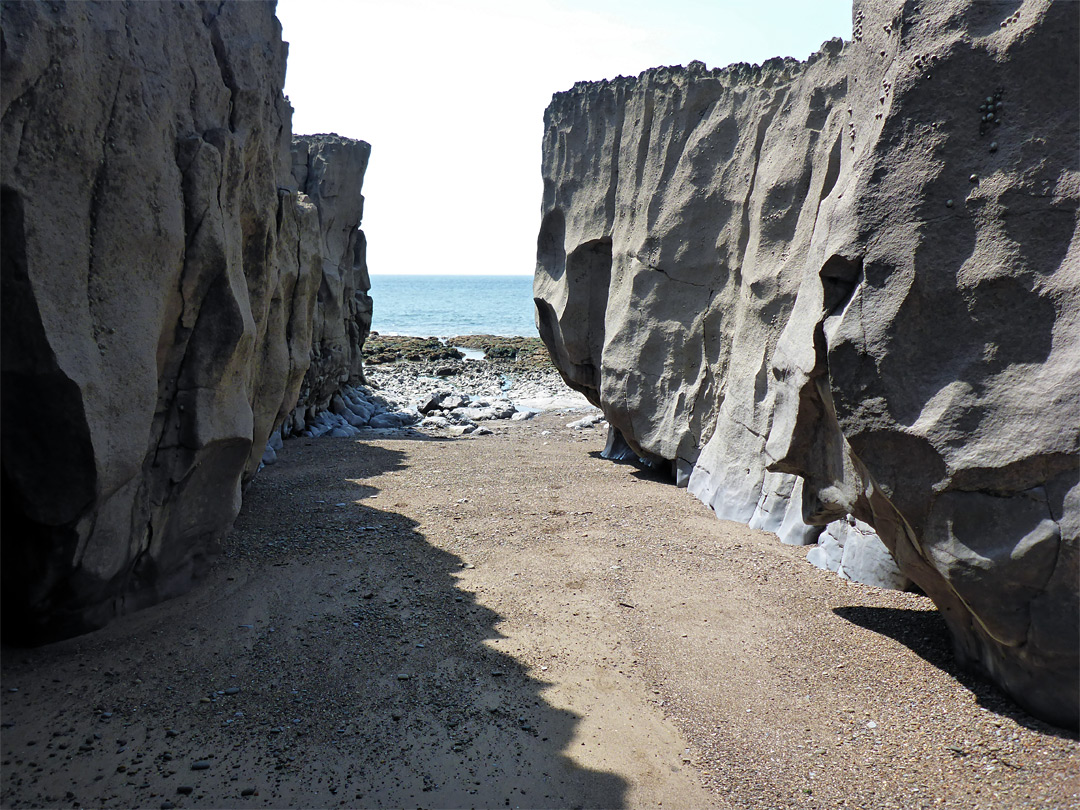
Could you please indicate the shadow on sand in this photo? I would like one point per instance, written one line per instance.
(425, 713)
(924, 633)
(330, 659)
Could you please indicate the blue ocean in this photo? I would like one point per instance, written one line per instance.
(448, 305)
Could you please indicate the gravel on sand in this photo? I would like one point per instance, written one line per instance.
(509, 620)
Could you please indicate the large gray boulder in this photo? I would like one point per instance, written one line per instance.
(846, 292)
(161, 274)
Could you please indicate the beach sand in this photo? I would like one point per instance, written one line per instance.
(509, 620)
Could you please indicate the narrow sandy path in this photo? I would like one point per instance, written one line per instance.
(511, 621)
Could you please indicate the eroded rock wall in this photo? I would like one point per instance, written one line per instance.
(161, 276)
(328, 170)
(846, 293)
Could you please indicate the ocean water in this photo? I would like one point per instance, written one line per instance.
(448, 305)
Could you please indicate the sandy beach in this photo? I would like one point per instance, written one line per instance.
(509, 620)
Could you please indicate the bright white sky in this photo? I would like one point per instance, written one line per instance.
(451, 95)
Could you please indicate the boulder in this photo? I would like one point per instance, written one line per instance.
(391, 420)
(849, 287)
(586, 421)
(854, 551)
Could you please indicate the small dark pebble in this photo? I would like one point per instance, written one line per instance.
(247, 792)
(172, 732)
(201, 765)
(184, 789)
(232, 690)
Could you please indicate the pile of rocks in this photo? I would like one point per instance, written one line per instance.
(352, 411)
(459, 414)
(424, 396)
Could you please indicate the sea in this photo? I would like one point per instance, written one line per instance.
(449, 305)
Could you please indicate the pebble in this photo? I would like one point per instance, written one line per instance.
(232, 690)
(249, 791)
(200, 765)
(403, 676)
(172, 732)
(184, 789)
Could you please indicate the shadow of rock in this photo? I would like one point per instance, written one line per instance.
(925, 634)
(330, 660)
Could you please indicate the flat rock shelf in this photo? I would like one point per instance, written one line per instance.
(512, 621)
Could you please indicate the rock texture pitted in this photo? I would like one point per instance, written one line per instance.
(845, 293)
(166, 284)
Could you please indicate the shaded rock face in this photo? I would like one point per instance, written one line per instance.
(161, 275)
(329, 169)
(846, 293)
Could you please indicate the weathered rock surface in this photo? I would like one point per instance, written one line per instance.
(849, 290)
(330, 169)
(162, 272)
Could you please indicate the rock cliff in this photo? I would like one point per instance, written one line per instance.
(172, 267)
(845, 293)
(329, 170)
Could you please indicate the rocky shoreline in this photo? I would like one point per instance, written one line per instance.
(441, 391)
(514, 352)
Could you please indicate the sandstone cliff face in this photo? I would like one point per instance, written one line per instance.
(846, 292)
(161, 275)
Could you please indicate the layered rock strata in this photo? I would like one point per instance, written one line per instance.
(846, 293)
(165, 285)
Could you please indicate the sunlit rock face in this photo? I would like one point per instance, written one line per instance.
(329, 170)
(845, 293)
(161, 274)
